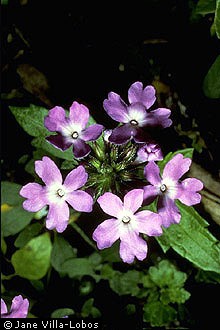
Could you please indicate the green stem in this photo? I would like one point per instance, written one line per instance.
(83, 235)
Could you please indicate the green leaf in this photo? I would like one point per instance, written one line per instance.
(192, 240)
(211, 83)
(89, 310)
(205, 7)
(27, 234)
(158, 314)
(62, 312)
(174, 295)
(14, 220)
(62, 251)
(217, 19)
(126, 283)
(33, 260)
(10, 193)
(78, 267)
(3, 245)
(166, 274)
(31, 119)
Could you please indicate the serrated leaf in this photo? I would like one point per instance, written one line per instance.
(165, 274)
(88, 309)
(62, 251)
(174, 295)
(126, 283)
(33, 260)
(211, 83)
(158, 314)
(31, 119)
(192, 240)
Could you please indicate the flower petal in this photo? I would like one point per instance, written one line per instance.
(149, 152)
(48, 171)
(79, 114)
(81, 149)
(92, 132)
(75, 179)
(4, 309)
(116, 108)
(149, 223)
(133, 199)
(111, 204)
(150, 193)
(121, 134)
(152, 173)
(137, 94)
(137, 112)
(58, 141)
(132, 246)
(106, 233)
(36, 197)
(80, 200)
(168, 211)
(159, 117)
(55, 119)
(19, 307)
(176, 167)
(189, 188)
(58, 217)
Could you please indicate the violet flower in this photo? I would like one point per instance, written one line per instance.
(19, 308)
(135, 116)
(149, 152)
(57, 194)
(126, 225)
(72, 130)
(169, 188)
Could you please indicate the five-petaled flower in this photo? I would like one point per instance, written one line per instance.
(72, 130)
(57, 194)
(19, 308)
(135, 116)
(169, 188)
(126, 225)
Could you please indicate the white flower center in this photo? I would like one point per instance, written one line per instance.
(75, 135)
(134, 122)
(163, 188)
(126, 219)
(60, 192)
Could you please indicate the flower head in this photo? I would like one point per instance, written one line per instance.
(135, 116)
(149, 152)
(56, 193)
(126, 224)
(169, 188)
(19, 308)
(72, 130)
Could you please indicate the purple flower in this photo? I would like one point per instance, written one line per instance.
(136, 115)
(168, 188)
(57, 194)
(72, 130)
(19, 308)
(149, 152)
(126, 225)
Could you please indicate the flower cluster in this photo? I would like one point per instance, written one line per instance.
(117, 169)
